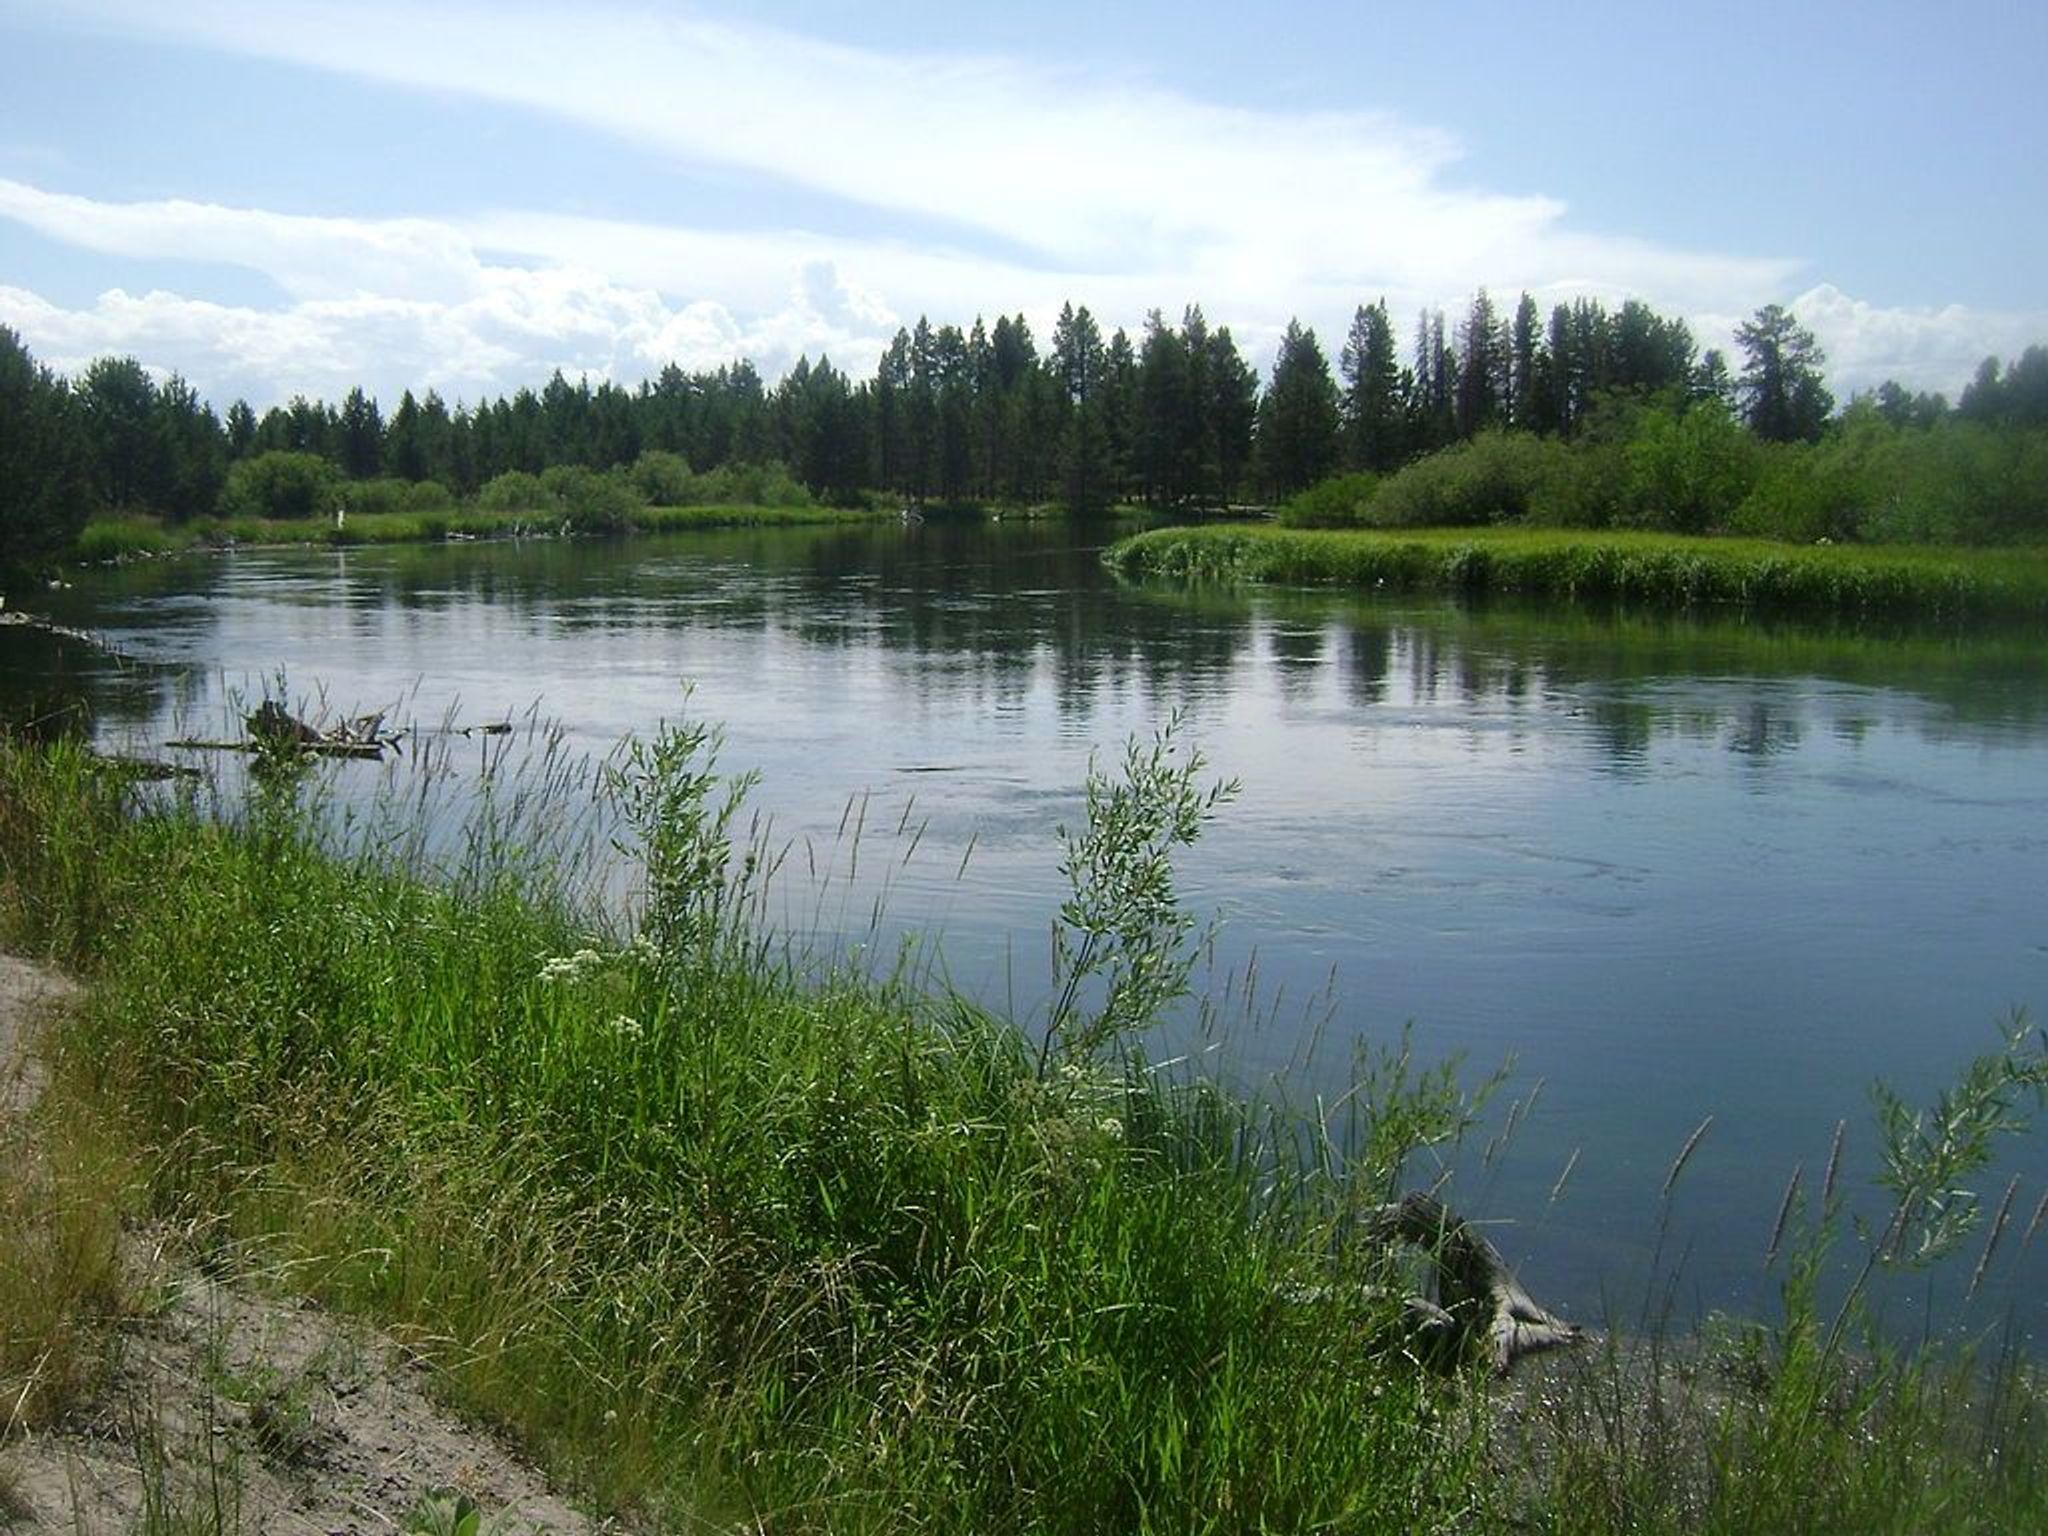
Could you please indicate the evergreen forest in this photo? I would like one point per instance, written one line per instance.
(1592, 417)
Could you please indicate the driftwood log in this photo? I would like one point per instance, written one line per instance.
(274, 728)
(1479, 1308)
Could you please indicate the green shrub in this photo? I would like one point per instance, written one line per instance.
(1494, 478)
(664, 479)
(517, 491)
(1338, 502)
(1804, 493)
(283, 484)
(429, 496)
(1960, 482)
(1688, 470)
(592, 502)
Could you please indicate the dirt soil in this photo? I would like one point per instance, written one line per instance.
(228, 1407)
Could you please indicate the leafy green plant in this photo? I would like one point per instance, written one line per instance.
(1338, 502)
(283, 484)
(445, 1512)
(1122, 931)
(680, 833)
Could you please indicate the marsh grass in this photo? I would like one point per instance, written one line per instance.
(113, 540)
(723, 1238)
(1657, 570)
(1820, 1418)
(63, 1289)
(732, 1239)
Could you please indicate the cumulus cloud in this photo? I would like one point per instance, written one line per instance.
(414, 303)
(502, 325)
(1005, 187)
(1924, 349)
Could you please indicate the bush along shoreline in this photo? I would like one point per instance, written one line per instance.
(732, 1241)
(1649, 569)
(118, 541)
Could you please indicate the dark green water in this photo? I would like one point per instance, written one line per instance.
(1671, 868)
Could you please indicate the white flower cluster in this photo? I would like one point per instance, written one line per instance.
(572, 967)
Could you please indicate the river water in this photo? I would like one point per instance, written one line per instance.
(1661, 868)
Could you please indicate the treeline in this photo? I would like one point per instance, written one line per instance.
(1175, 418)
(1763, 458)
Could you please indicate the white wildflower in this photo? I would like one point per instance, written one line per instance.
(571, 967)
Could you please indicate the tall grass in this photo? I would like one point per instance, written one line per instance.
(1639, 568)
(731, 1244)
(62, 1285)
(725, 1243)
(1819, 1420)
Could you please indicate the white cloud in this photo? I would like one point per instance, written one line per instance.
(416, 303)
(1083, 172)
(1923, 349)
(1050, 186)
(310, 258)
(504, 326)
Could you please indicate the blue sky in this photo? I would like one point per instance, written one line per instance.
(302, 195)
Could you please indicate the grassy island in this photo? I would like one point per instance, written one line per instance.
(1651, 569)
(112, 540)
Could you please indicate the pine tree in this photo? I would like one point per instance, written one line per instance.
(1298, 427)
(1233, 412)
(1482, 368)
(45, 459)
(1783, 398)
(1372, 382)
(362, 436)
(1525, 366)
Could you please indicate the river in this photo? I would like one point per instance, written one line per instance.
(1660, 867)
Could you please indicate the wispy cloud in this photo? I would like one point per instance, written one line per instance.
(1081, 171)
(310, 258)
(1043, 185)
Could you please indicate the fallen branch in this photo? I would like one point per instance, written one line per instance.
(273, 728)
(319, 748)
(15, 618)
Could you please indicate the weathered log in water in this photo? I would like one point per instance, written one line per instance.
(371, 750)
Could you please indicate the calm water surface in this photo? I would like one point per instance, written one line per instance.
(1667, 868)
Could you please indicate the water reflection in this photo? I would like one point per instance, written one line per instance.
(1678, 866)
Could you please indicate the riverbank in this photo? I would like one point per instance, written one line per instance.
(730, 1245)
(113, 540)
(168, 1388)
(1657, 570)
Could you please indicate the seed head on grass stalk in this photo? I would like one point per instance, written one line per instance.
(1121, 933)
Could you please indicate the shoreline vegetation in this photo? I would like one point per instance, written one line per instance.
(731, 1241)
(1594, 420)
(114, 541)
(1946, 584)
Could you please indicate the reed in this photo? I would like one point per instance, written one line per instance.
(1655, 570)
